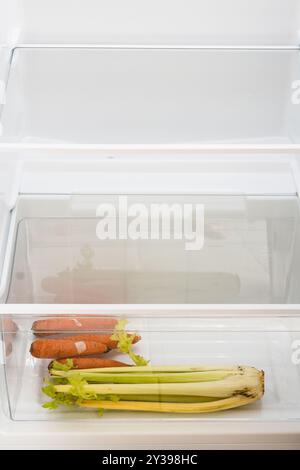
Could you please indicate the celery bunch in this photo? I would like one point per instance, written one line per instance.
(165, 389)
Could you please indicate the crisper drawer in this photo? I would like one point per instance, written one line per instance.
(230, 250)
(201, 368)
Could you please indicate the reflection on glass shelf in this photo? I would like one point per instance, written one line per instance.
(251, 254)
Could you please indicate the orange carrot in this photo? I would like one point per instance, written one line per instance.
(104, 339)
(91, 363)
(64, 324)
(61, 348)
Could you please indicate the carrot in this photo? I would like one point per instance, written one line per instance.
(91, 363)
(104, 339)
(55, 325)
(61, 348)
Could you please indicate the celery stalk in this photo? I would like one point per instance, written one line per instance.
(164, 389)
(231, 385)
(166, 398)
(92, 377)
(210, 407)
(152, 369)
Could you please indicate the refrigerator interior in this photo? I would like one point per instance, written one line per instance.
(269, 344)
(80, 120)
(162, 103)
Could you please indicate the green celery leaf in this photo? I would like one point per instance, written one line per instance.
(120, 326)
(78, 383)
(64, 367)
(49, 390)
(50, 405)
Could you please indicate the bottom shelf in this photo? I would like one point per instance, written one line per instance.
(271, 345)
